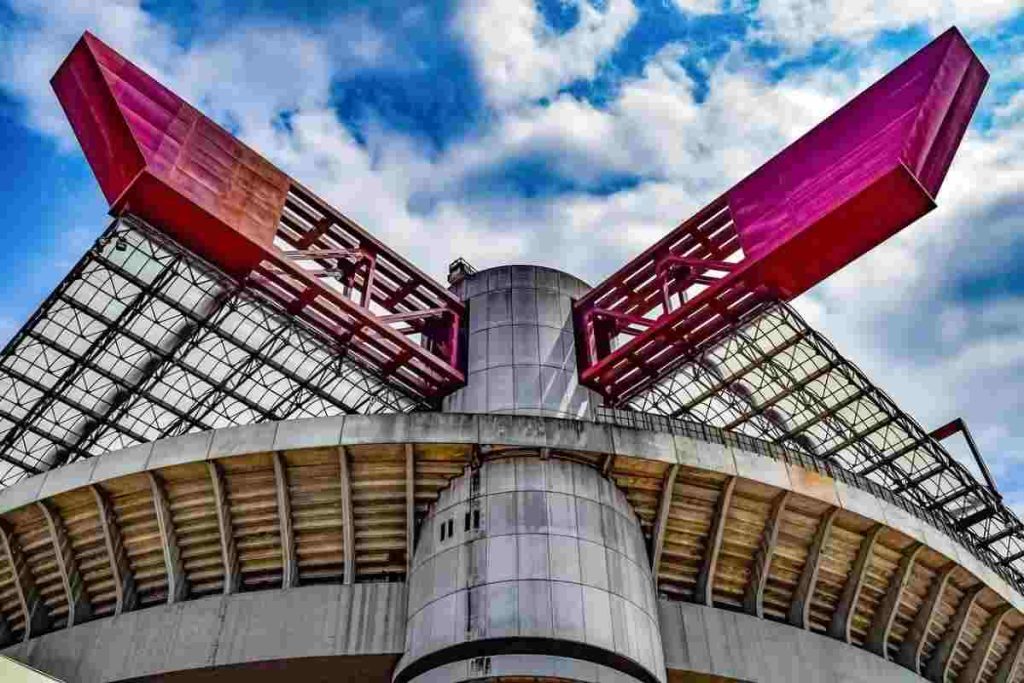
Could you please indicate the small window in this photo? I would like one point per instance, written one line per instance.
(466, 522)
(451, 528)
(476, 519)
(442, 531)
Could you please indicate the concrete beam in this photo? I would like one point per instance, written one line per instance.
(937, 668)
(913, 643)
(753, 597)
(33, 609)
(257, 636)
(228, 553)
(877, 640)
(664, 505)
(121, 574)
(79, 609)
(703, 592)
(842, 617)
(975, 666)
(799, 608)
(410, 507)
(177, 586)
(348, 527)
(289, 564)
(1011, 659)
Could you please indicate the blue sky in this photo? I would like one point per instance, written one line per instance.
(570, 133)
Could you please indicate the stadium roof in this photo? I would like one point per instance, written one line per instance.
(165, 328)
(143, 339)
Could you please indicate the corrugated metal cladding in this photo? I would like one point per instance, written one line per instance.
(545, 551)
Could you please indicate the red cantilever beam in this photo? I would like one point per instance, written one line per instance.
(158, 158)
(866, 172)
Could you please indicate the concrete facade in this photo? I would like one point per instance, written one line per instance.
(713, 642)
(225, 631)
(334, 624)
(528, 554)
(521, 348)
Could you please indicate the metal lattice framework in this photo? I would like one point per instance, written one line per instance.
(144, 340)
(773, 377)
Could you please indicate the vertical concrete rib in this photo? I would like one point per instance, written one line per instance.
(660, 524)
(6, 632)
(79, 608)
(1011, 659)
(937, 668)
(910, 650)
(228, 553)
(348, 528)
(753, 596)
(842, 617)
(33, 609)
(120, 570)
(877, 640)
(704, 591)
(799, 608)
(177, 588)
(289, 565)
(410, 506)
(975, 666)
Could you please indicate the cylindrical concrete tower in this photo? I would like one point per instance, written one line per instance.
(521, 348)
(531, 568)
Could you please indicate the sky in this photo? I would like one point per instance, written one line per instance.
(566, 133)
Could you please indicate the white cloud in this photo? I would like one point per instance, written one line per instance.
(31, 51)
(699, 7)
(801, 23)
(519, 57)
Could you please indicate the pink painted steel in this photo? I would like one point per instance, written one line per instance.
(159, 158)
(853, 181)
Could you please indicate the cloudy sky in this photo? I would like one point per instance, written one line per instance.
(569, 133)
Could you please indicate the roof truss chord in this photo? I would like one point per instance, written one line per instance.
(862, 175)
(158, 158)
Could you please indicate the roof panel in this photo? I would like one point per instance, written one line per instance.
(143, 340)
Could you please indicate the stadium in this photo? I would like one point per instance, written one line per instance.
(244, 438)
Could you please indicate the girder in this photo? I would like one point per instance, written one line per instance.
(862, 175)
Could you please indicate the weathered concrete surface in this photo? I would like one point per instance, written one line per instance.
(716, 642)
(521, 348)
(525, 548)
(510, 430)
(311, 621)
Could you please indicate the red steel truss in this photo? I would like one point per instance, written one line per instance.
(158, 158)
(865, 173)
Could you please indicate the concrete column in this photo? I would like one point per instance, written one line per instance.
(521, 353)
(531, 568)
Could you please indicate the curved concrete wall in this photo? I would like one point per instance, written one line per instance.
(226, 631)
(713, 642)
(984, 643)
(530, 556)
(521, 348)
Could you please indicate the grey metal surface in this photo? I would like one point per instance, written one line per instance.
(524, 548)
(716, 642)
(520, 344)
(311, 621)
